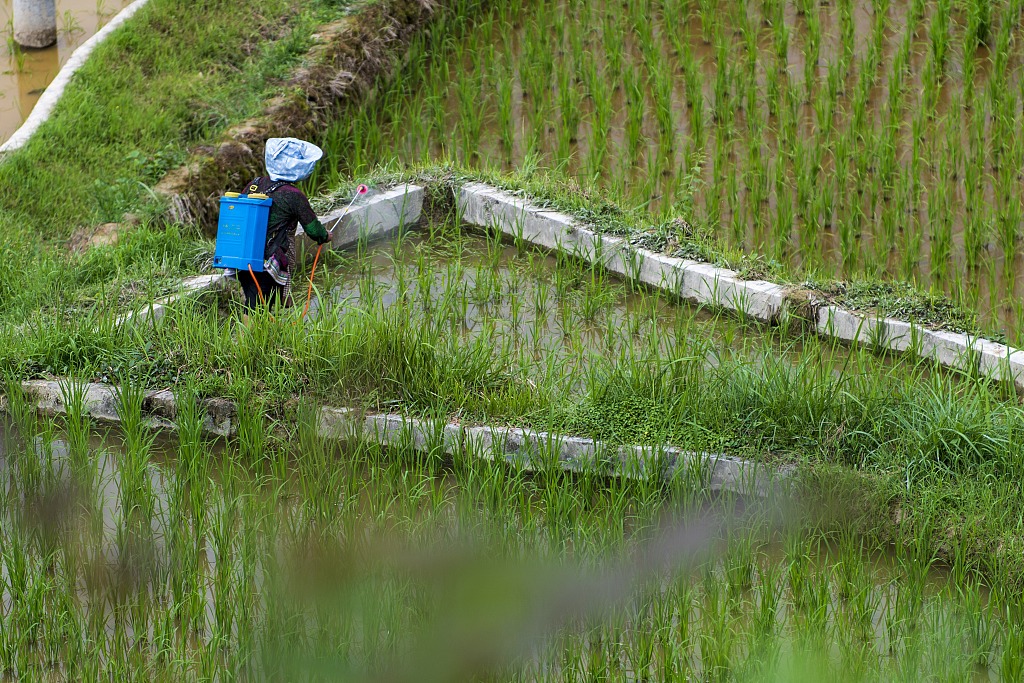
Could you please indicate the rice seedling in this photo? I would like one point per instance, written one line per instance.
(868, 101)
(69, 24)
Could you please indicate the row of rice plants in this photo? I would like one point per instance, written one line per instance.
(852, 139)
(303, 561)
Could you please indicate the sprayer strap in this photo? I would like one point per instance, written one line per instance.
(273, 186)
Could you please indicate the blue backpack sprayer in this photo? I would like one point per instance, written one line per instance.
(242, 234)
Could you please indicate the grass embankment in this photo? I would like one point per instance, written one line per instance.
(174, 77)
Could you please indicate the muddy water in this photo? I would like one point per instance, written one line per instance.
(823, 138)
(25, 73)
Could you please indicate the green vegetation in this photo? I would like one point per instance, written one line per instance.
(278, 556)
(897, 300)
(829, 148)
(856, 140)
(174, 77)
(470, 328)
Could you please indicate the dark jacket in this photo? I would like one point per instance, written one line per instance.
(290, 207)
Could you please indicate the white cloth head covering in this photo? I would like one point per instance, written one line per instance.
(290, 159)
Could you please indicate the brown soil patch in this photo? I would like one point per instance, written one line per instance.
(104, 235)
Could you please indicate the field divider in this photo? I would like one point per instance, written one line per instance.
(159, 407)
(377, 218)
(490, 208)
(703, 283)
(536, 451)
(525, 449)
(157, 309)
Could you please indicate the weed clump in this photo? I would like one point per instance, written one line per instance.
(897, 300)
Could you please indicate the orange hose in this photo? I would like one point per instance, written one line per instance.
(259, 290)
(309, 292)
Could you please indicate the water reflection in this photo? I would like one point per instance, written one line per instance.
(25, 73)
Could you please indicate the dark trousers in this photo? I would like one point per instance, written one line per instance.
(267, 293)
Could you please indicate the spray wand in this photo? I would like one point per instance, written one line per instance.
(360, 191)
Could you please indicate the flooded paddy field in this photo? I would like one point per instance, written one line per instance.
(846, 139)
(603, 357)
(278, 555)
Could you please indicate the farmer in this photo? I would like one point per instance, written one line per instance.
(288, 161)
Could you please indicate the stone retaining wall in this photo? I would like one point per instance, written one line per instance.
(101, 404)
(536, 451)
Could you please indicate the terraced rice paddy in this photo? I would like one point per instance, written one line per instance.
(849, 139)
(573, 329)
(471, 328)
(277, 555)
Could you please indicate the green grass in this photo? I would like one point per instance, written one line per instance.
(147, 262)
(173, 77)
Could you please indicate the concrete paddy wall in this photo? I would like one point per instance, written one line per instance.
(537, 451)
(521, 448)
(101, 403)
(155, 312)
(380, 216)
(703, 283)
